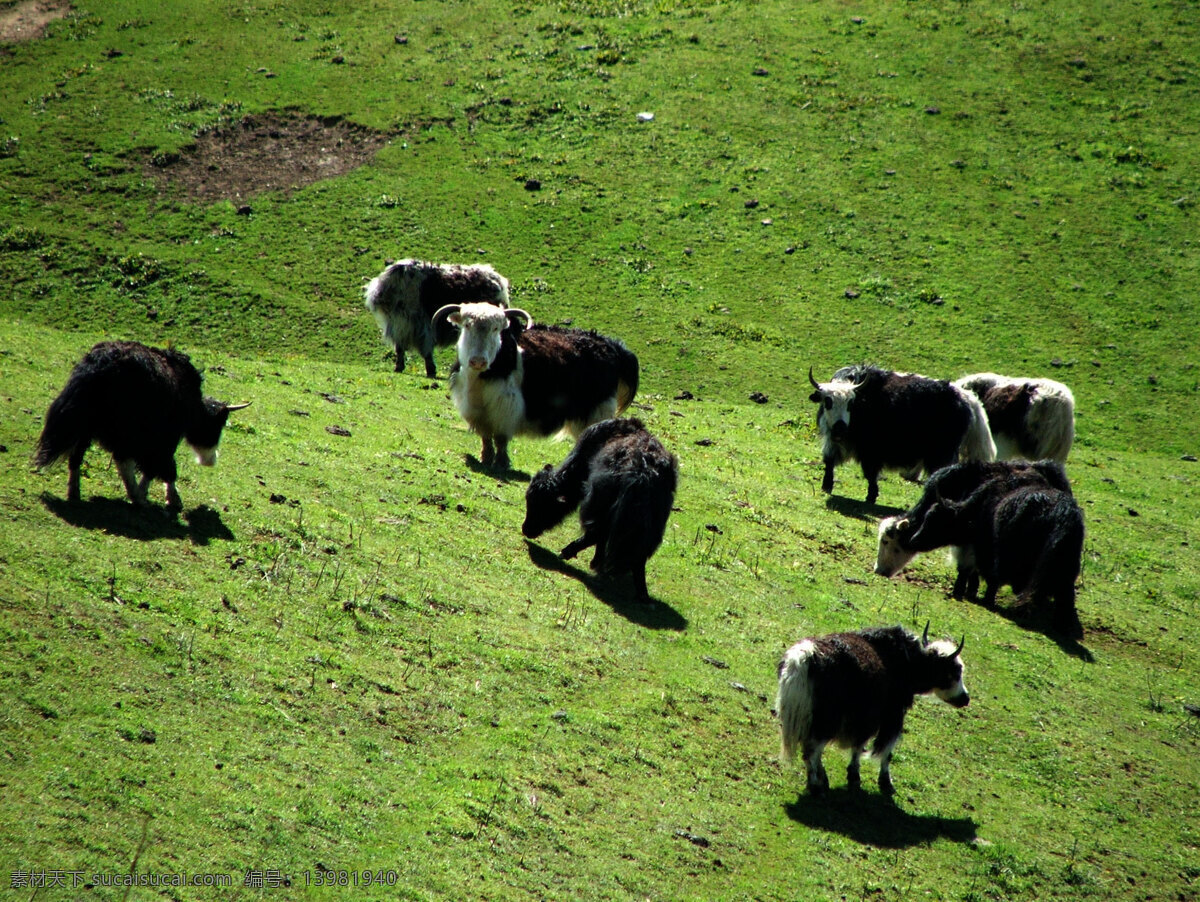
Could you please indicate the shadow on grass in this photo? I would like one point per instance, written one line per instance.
(508, 475)
(117, 517)
(860, 510)
(1038, 618)
(873, 819)
(616, 593)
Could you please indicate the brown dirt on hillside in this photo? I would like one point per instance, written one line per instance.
(269, 152)
(26, 20)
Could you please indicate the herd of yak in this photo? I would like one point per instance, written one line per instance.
(1009, 521)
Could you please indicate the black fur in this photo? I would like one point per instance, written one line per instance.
(898, 421)
(863, 683)
(988, 482)
(137, 403)
(1024, 530)
(623, 481)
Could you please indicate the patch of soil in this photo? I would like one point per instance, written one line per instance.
(27, 19)
(269, 152)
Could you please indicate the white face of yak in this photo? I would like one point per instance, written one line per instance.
(834, 416)
(206, 457)
(479, 327)
(955, 693)
(890, 559)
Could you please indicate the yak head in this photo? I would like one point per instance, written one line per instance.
(943, 668)
(204, 433)
(833, 413)
(481, 329)
(545, 504)
(893, 553)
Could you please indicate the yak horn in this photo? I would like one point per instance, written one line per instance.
(925, 635)
(814, 382)
(241, 406)
(442, 312)
(516, 313)
(961, 643)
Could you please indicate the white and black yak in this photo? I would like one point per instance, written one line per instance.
(137, 403)
(896, 421)
(1012, 524)
(1032, 419)
(850, 688)
(623, 481)
(405, 296)
(513, 377)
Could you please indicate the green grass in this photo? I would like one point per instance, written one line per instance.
(345, 656)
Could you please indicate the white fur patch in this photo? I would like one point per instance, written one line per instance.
(890, 558)
(206, 457)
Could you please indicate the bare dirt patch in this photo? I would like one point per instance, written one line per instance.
(26, 20)
(270, 152)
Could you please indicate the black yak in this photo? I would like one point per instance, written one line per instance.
(848, 688)
(957, 483)
(137, 403)
(623, 481)
(516, 378)
(898, 421)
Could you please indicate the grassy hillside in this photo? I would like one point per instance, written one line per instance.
(343, 655)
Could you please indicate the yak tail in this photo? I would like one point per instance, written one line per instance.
(65, 428)
(978, 443)
(627, 378)
(795, 701)
(1052, 419)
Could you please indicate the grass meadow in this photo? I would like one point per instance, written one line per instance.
(341, 672)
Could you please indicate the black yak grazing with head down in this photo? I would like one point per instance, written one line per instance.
(623, 481)
(137, 403)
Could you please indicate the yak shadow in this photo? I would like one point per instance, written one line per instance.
(616, 593)
(861, 510)
(1038, 618)
(507, 475)
(874, 819)
(120, 518)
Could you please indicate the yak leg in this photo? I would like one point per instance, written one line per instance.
(1066, 618)
(74, 462)
(827, 482)
(885, 744)
(502, 462)
(399, 359)
(487, 455)
(639, 581)
(853, 780)
(128, 471)
(871, 474)
(587, 540)
(430, 366)
(818, 780)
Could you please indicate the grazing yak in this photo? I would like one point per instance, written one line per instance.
(898, 421)
(513, 377)
(848, 688)
(957, 483)
(405, 296)
(622, 480)
(1023, 529)
(1029, 418)
(137, 403)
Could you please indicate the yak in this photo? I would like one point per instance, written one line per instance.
(623, 481)
(138, 403)
(849, 688)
